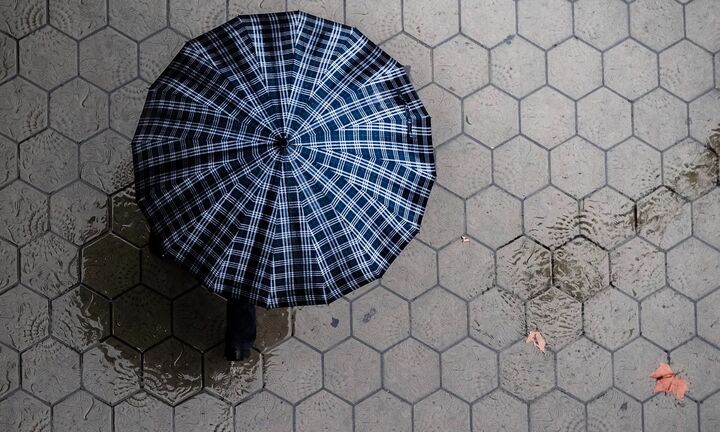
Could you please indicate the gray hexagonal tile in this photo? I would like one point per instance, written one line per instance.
(164, 276)
(50, 370)
(111, 370)
(126, 104)
(463, 166)
(665, 413)
(686, 70)
(660, 119)
(581, 269)
(24, 413)
(8, 161)
(413, 272)
(604, 118)
(438, 318)
(706, 217)
(78, 109)
(172, 371)
(323, 412)
(79, 213)
(377, 21)
(663, 218)
(525, 371)
(413, 54)
(574, 67)
(521, 167)
(8, 265)
(692, 268)
(611, 319)
(323, 326)
(82, 412)
(203, 411)
(524, 268)
(10, 363)
(546, 22)
(352, 370)
(667, 333)
(141, 317)
(128, 221)
(110, 266)
(443, 220)
(108, 59)
(693, 359)
(138, 18)
(380, 318)
(21, 17)
(411, 370)
(701, 27)
(292, 370)
(517, 67)
(466, 268)
(557, 409)
(328, 9)
(630, 69)
(494, 216)
(80, 318)
(24, 318)
(708, 317)
(444, 108)
(49, 265)
(584, 369)
(469, 370)
(23, 109)
(199, 318)
(439, 411)
(25, 215)
(601, 23)
(266, 412)
(704, 113)
(382, 411)
(48, 57)
(577, 167)
(78, 18)
(633, 167)
(233, 380)
(431, 21)
(627, 414)
(497, 318)
(547, 117)
(632, 363)
(48, 161)
(710, 413)
(460, 65)
(656, 23)
(143, 413)
(551, 217)
(607, 218)
(488, 32)
(637, 268)
(557, 316)
(690, 168)
(192, 18)
(157, 51)
(498, 411)
(491, 116)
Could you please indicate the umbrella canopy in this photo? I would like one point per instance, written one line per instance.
(283, 159)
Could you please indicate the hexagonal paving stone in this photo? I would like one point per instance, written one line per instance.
(49, 265)
(128, 221)
(547, 117)
(111, 370)
(439, 411)
(23, 109)
(10, 363)
(524, 268)
(378, 21)
(631, 365)
(110, 266)
(126, 105)
(323, 412)
(584, 369)
(24, 413)
(611, 319)
(108, 59)
(701, 28)
(25, 214)
(203, 411)
(627, 414)
(656, 327)
(491, 116)
(157, 51)
(352, 370)
(266, 412)
(138, 18)
(78, 109)
(557, 316)
(431, 21)
(693, 359)
(443, 220)
(708, 317)
(50, 370)
(494, 216)
(411, 370)
(545, 22)
(78, 18)
(607, 218)
(466, 268)
(633, 167)
(323, 326)
(710, 413)
(704, 113)
(48, 161)
(80, 318)
(498, 411)
(164, 276)
(604, 118)
(656, 23)
(143, 412)
(521, 167)
(292, 370)
(48, 57)
(444, 108)
(172, 371)
(469, 370)
(525, 371)
(141, 317)
(191, 18)
(382, 411)
(690, 168)
(463, 166)
(706, 218)
(692, 268)
(79, 213)
(82, 411)
(438, 318)
(631, 69)
(20, 18)
(637, 268)
(488, 32)
(663, 218)
(273, 327)
(577, 167)
(380, 318)
(233, 380)
(557, 409)
(686, 70)
(581, 269)
(199, 318)
(413, 272)
(413, 54)
(24, 318)
(574, 67)
(601, 23)
(460, 65)
(551, 217)
(8, 161)
(664, 413)
(497, 318)
(8, 265)
(517, 67)
(660, 119)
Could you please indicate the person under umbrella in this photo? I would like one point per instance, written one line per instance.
(284, 160)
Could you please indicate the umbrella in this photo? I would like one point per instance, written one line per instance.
(284, 160)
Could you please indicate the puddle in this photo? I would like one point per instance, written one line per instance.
(273, 326)
(234, 380)
(81, 318)
(172, 371)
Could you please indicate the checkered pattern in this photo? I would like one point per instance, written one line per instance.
(283, 224)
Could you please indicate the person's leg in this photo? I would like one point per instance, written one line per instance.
(240, 332)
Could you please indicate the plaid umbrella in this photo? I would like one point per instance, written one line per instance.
(283, 159)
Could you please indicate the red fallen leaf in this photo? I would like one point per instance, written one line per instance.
(668, 382)
(536, 338)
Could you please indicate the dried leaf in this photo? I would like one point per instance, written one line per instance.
(668, 382)
(536, 338)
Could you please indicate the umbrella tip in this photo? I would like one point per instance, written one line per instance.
(281, 142)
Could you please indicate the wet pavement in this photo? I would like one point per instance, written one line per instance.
(577, 195)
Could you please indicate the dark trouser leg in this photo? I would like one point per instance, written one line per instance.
(240, 331)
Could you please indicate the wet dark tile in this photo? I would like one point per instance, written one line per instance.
(78, 213)
(128, 221)
(164, 276)
(23, 317)
(141, 317)
(273, 326)
(80, 318)
(111, 370)
(234, 380)
(172, 371)
(199, 318)
(110, 265)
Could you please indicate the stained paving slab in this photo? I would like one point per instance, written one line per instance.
(577, 146)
